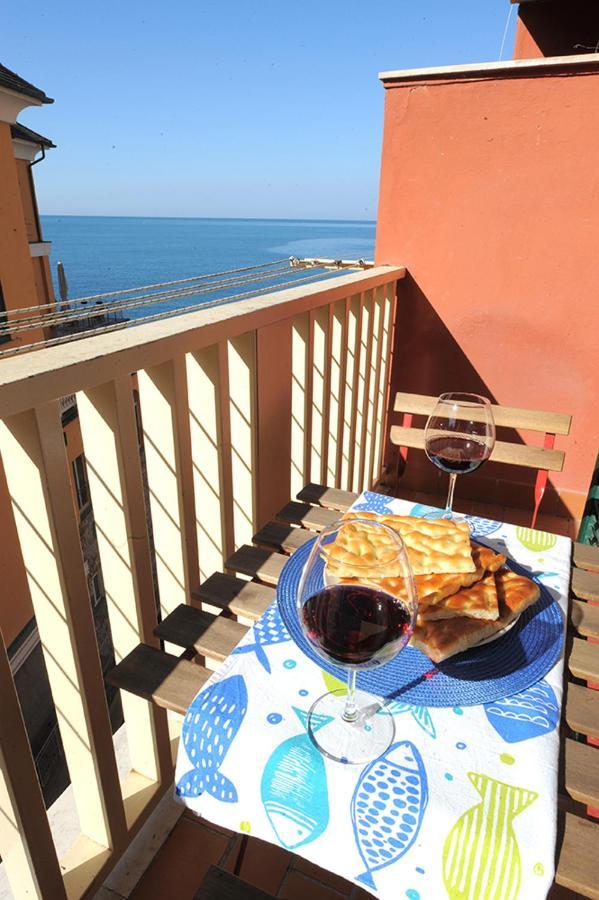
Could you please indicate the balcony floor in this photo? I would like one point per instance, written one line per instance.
(194, 845)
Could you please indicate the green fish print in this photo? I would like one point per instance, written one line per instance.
(537, 541)
(481, 860)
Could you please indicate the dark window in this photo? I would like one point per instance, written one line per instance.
(3, 318)
(81, 485)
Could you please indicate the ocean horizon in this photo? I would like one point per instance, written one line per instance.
(111, 253)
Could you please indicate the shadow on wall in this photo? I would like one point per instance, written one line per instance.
(429, 360)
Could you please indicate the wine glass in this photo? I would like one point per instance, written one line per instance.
(357, 609)
(459, 436)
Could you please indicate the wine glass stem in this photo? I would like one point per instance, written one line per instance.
(449, 504)
(350, 713)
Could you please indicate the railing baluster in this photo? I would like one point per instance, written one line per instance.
(111, 442)
(342, 318)
(167, 443)
(301, 402)
(320, 366)
(350, 411)
(33, 451)
(241, 355)
(374, 404)
(273, 415)
(337, 355)
(205, 399)
(386, 349)
(363, 386)
(26, 845)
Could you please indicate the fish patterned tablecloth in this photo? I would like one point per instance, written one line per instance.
(462, 805)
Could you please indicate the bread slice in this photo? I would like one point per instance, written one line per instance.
(444, 638)
(477, 600)
(434, 546)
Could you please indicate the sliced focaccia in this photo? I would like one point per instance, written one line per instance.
(477, 600)
(444, 638)
(434, 546)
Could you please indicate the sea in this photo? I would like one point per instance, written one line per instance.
(106, 253)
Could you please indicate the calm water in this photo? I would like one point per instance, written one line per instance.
(106, 254)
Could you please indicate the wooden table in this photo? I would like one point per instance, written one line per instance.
(207, 638)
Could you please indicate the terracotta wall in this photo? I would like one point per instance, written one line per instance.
(489, 193)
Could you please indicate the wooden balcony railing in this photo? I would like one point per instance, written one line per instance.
(237, 406)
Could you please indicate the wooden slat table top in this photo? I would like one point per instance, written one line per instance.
(313, 517)
(585, 584)
(585, 618)
(582, 710)
(258, 563)
(330, 498)
(194, 629)
(221, 885)
(584, 660)
(578, 867)
(586, 557)
(582, 772)
(247, 599)
(282, 537)
(155, 675)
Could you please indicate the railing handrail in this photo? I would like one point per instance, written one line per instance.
(36, 378)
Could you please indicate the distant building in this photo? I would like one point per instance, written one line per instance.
(26, 281)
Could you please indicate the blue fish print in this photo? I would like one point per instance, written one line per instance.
(482, 527)
(530, 714)
(209, 729)
(388, 807)
(294, 788)
(426, 512)
(269, 629)
(420, 714)
(376, 503)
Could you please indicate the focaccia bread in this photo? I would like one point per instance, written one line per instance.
(479, 601)
(444, 638)
(434, 546)
(434, 588)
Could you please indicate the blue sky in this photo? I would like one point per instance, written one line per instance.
(257, 109)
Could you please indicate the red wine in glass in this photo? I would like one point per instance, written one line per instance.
(356, 625)
(351, 620)
(457, 454)
(459, 436)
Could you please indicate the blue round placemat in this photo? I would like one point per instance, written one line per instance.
(506, 666)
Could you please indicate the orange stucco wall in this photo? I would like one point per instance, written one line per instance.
(489, 193)
(16, 270)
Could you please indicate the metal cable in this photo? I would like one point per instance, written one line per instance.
(149, 287)
(116, 306)
(156, 316)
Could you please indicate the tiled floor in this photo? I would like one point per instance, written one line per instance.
(179, 866)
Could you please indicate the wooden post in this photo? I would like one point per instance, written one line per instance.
(109, 430)
(273, 379)
(241, 356)
(167, 443)
(37, 474)
(26, 844)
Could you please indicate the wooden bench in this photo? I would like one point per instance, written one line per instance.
(544, 459)
(172, 681)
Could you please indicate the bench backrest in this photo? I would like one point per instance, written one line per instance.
(546, 458)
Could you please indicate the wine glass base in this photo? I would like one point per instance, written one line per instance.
(353, 743)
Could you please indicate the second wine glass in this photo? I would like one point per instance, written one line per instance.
(459, 436)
